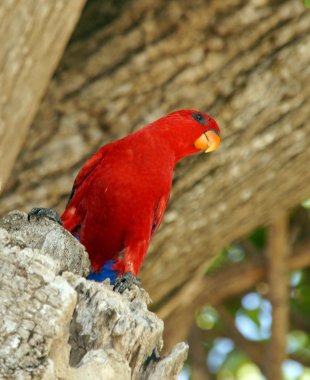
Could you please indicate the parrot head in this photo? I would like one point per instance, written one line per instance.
(190, 131)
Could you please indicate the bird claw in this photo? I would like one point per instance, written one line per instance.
(40, 212)
(126, 281)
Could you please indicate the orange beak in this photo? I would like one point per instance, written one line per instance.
(208, 141)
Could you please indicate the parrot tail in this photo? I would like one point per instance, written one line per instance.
(105, 272)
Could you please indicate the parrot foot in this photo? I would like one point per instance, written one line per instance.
(126, 281)
(39, 212)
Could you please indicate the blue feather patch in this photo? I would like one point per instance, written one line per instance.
(105, 272)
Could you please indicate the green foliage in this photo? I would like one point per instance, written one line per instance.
(232, 254)
(252, 313)
(306, 203)
(234, 361)
(207, 318)
(259, 237)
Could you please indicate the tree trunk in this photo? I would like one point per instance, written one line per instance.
(57, 325)
(246, 63)
(32, 39)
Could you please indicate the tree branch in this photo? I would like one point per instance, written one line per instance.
(218, 287)
(197, 354)
(277, 254)
(32, 40)
(254, 350)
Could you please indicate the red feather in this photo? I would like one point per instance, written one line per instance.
(120, 195)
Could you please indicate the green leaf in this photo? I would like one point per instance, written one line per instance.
(306, 203)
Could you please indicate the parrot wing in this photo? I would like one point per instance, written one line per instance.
(85, 171)
(70, 219)
(159, 212)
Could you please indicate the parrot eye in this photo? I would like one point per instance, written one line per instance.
(200, 118)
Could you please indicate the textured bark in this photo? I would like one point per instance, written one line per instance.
(32, 39)
(57, 325)
(51, 239)
(246, 63)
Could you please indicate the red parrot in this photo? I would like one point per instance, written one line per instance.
(120, 195)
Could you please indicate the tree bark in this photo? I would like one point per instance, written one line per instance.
(57, 325)
(278, 252)
(33, 36)
(246, 63)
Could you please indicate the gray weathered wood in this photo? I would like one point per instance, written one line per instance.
(57, 325)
